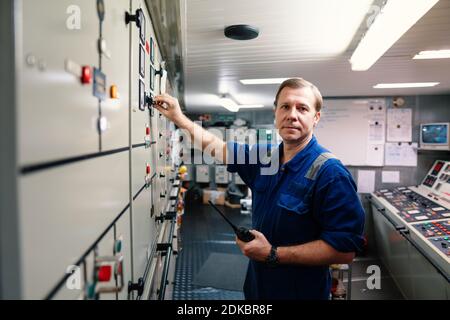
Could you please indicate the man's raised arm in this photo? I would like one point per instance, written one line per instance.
(171, 109)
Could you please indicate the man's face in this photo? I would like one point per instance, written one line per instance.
(295, 114)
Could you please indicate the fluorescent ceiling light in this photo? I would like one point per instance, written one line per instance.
(251, 106)
(433, 54)
(263, 81)
(394, 19)
(228, 103)
(405, 85)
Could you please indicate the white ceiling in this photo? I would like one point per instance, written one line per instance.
(294, 41)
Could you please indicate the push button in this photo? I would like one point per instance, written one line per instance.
(104, 273)
(113, 92)
(86, 75)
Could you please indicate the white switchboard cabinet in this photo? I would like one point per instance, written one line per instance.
(92, 156)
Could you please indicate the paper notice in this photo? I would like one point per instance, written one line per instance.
(390, 176)
(401, 154)
(366, 181)
(399, 123)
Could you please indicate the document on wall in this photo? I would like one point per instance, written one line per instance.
(376, 131)
(399, 125)
(375, 155)
(400, 154)
(390, 176)
(377, 121)
(366, 181)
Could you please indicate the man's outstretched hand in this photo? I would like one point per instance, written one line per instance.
(170, 108)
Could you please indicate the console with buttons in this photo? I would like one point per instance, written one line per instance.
(421, 215)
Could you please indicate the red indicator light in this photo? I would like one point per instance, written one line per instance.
(104, 273)
(86, 75)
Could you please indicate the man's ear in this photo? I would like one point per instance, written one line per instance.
(317, 118)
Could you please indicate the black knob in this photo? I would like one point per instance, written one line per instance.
(139, 287)
(159, 72)
(149, 100)
(138, 18)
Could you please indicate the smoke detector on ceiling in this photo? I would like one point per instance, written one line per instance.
(241, 32)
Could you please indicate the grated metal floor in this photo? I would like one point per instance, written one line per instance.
(203, 232)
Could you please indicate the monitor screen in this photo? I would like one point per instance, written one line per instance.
(435, 133)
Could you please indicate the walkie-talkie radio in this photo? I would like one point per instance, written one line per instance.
(242, 233)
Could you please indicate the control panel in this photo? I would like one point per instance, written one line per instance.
(438, 180)
(437, 233)
(413, 206)
(421, 215)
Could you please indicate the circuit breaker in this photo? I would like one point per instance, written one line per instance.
(222, 175)
(202, 173)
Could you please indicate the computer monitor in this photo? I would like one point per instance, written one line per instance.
(434, 136)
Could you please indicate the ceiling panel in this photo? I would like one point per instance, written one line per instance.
(313, 39)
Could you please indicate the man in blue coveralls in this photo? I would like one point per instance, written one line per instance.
(306, 213)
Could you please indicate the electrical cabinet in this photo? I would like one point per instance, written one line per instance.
(202, 173)
(94, 156)
(222, 175)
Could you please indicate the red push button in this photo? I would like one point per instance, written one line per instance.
(147, 131)
(104, 273)
(148, 169)
(86, 75)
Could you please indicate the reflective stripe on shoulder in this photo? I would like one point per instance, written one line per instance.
(317, 164)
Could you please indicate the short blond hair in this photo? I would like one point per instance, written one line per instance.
(298, 83)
